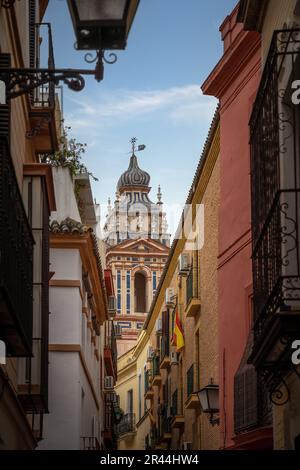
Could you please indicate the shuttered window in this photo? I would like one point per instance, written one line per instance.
(5, 108)
(245, 399)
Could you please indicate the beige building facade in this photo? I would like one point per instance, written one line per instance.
(137, 245)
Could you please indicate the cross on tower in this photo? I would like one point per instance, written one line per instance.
(133, 143)
(136, 148)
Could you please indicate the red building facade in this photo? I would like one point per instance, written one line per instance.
(234, 81)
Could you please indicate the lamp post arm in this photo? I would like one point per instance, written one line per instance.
(21, 81)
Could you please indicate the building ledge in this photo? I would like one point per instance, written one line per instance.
(149, 395)
(192, 402)
(127, 436)
(165, 363)
(259, 438)
(193, 307)
(156, 380)
(177, 421)
(167, 436)
(43, 129)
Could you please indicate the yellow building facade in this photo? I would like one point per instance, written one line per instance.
(157, 384)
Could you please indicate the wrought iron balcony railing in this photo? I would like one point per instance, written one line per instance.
(16, 262)
(90, 443)
(175, 403)
(153, 437)
(275, 185)
(155, 365)
(127, 424)
(191, 285)
(165, 422)
(42, 51)
(110, 348)
(148, 379)
(165, 347)
(177, 408)
(190, 377)
(33, 371)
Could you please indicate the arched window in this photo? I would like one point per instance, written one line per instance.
(140, 292)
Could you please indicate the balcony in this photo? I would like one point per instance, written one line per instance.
(110, 350)
(155, 370)
(43, 116)
(126, 428)
(110, 405)
(177, 411)
(165, 352)
(149, 392)
(192, 401)
(90, 443)
(193, 303)
(166, 434)
(275, 188)
(16, 262)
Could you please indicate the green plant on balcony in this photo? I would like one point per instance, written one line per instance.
(69, 155)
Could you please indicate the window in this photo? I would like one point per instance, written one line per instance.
(130, 401)
(140, 292)
(154, 282)
(140, 396)
(145, 387)
(197, 359)
(128, 285)
(119, 300)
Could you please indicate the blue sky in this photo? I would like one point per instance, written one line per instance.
(151, 92)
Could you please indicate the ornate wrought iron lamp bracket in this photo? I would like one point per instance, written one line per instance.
(7, 3)
(21, 81)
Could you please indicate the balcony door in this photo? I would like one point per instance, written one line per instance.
(140, 283)
(130, 401)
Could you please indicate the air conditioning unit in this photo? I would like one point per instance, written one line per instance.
(169, 297)
(184, 263)
(187, 446)
(112, 306)
(150, 353)
(159, 325)
(108, 382)
(174, 358)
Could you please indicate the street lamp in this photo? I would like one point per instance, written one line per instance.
(99, 25)
(209, 400)
(102, 24)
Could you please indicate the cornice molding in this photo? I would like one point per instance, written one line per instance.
(233, 61)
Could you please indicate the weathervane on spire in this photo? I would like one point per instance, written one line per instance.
(133, 142)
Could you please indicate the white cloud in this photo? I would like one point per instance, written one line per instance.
(181, 104)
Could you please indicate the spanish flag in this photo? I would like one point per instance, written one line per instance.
(178, 338)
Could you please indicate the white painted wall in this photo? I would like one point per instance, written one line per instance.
(71, 401)
(62, 424)
(64, 195)
(72, 405)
